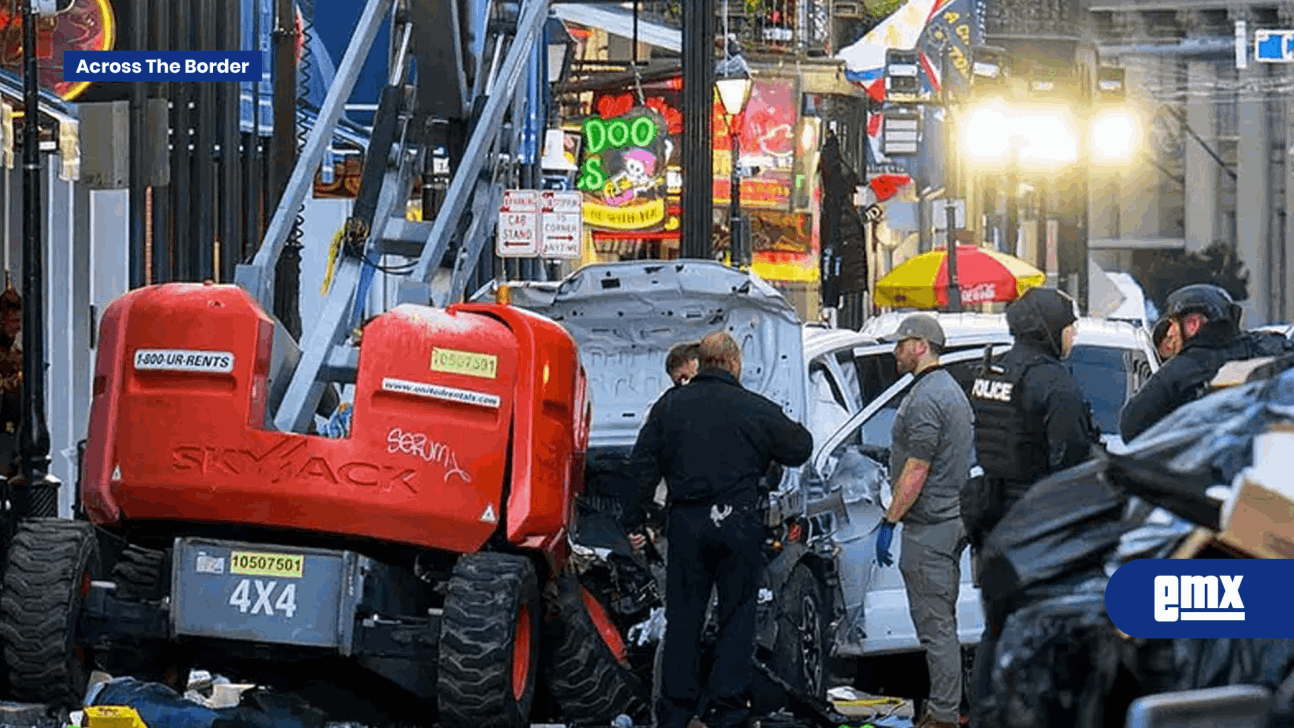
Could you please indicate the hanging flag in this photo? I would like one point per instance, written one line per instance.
(885, 186)
(865, 59)
(953, 25)
(934, 79)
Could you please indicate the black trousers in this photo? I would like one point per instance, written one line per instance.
(710, 546)
(996, 611)
(982, 675)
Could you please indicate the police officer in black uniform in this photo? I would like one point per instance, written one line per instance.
(713, 441)
(1200, 330)
(1031, 419)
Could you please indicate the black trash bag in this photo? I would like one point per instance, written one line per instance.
(1283, 704)
(1067, 524)
(1183, 494)
(1213, 436)
(260, 708)
(1060, 662)
(1211, 663)
(1269, 663)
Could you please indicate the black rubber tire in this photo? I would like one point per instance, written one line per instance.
(51, 564)
(483, 602)
(140, 575)
(586, 679)
(799, 656)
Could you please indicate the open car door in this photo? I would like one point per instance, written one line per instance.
(852, 465)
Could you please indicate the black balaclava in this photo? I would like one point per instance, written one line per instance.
(1039, 317)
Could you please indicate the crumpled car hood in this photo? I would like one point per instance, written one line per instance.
(626, 316)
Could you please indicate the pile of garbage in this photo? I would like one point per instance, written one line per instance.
(209, 701)
(1211, 481)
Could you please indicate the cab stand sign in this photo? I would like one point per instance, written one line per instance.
(535, 223)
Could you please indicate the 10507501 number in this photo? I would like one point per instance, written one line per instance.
(250, 563)
(265, 600)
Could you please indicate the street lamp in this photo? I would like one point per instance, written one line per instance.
(734, 92)
(1114, 135)
(1024, 137)
(1040, 136)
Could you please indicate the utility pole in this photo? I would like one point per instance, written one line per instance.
(35, 491)
(139, 176)
(950, 210)
(283, 160)
(697, 154)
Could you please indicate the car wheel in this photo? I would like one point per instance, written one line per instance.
(799, 653)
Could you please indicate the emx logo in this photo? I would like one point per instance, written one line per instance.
(1196, 598)
(1202, 598)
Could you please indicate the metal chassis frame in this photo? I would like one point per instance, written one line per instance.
(323, 351)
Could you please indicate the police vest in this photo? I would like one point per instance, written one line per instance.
(1007, 450)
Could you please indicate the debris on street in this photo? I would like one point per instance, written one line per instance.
(1210, 481)
(858, 705)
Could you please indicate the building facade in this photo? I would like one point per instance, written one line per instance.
(1216, 165)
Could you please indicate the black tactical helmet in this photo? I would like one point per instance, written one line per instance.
(1040, 315)
(1212, 301)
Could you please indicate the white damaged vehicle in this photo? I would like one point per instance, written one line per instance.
(825, 607)
(1110, 360)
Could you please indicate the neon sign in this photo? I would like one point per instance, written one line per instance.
(622, 174)
(618, 134)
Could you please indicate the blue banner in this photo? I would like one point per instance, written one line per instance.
(315, 71)
(131, 66)
(330, 34)
(949, 37)
(1202, 598)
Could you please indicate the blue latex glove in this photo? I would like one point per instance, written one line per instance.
(883, 540)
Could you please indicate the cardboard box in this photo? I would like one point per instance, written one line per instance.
(1260, 523)
(1235, 373)
(1200, 538)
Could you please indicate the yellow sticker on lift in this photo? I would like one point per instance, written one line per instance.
(251, 563)
(464, 362)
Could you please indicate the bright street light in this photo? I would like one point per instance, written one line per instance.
(734, 92)
(986, 133)
(1041, 136)
(1114, 135)
(1050, 137)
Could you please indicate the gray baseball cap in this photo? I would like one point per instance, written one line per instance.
(919, 326)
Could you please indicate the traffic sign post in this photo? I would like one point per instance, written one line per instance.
(561, 224)
(939, 213)
(518, 232)
(1274, 46)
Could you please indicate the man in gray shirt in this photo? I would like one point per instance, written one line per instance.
(930, 459)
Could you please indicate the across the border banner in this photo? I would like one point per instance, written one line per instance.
(132, 66)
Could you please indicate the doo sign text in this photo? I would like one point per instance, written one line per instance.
(1202, 598)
